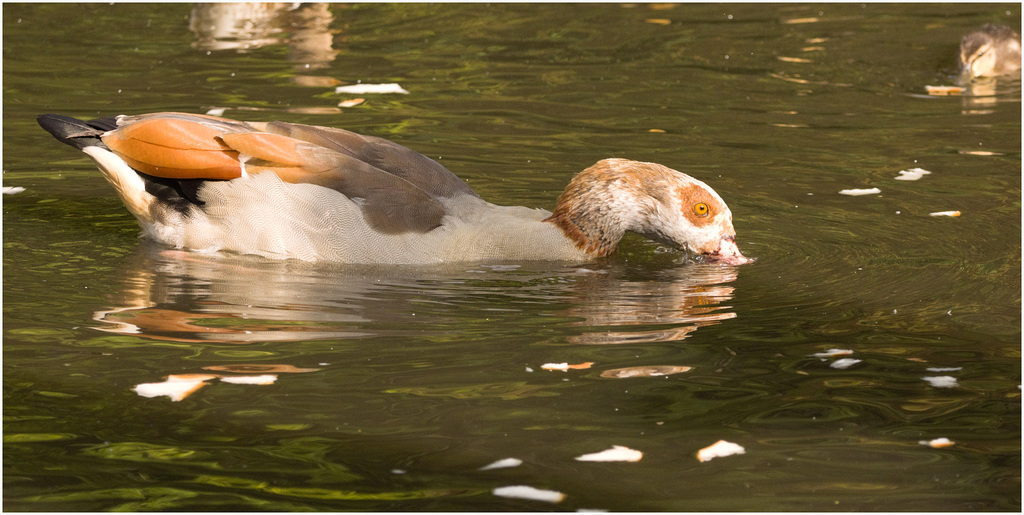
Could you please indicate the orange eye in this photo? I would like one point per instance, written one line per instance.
(700, 209)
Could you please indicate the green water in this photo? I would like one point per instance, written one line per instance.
(394, 386)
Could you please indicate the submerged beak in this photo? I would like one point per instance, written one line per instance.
(966, 75)
(728, 253)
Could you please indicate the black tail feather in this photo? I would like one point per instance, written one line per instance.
(81, 134)
(72, 131)
(104, 124)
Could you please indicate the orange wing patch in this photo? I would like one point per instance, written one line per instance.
(174, 149)
(293, 160)
(268, 147)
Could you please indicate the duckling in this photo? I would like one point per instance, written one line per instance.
(291, 191)
(992, 51)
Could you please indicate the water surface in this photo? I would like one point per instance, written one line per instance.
(394, 386)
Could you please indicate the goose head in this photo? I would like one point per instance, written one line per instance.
(614, 196)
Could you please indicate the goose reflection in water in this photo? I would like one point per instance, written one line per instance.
(680, 302)
(195, 298)
(192, 298)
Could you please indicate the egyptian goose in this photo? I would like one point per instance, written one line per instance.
(991, 51)
(200, 182)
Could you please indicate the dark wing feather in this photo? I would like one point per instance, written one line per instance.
(385, 155)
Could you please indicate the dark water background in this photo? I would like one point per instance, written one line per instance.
(395, 385)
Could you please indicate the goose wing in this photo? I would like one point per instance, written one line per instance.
(178, 146)
(395, 159)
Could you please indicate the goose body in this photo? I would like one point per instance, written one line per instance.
(313, 193)
(990, 51)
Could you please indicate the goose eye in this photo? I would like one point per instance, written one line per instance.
(700, 209)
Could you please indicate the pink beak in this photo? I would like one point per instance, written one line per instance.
(728, 253)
